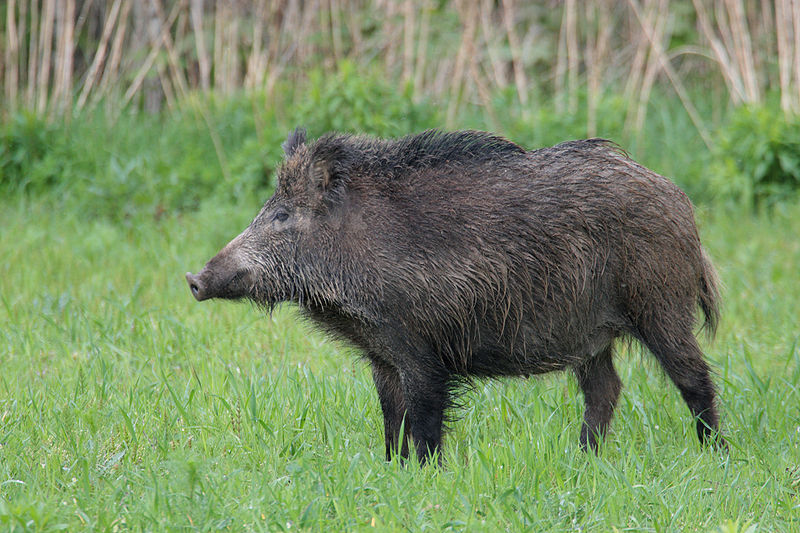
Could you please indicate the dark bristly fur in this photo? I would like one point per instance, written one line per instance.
(449, 256)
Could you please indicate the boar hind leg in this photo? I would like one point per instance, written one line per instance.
(390, 393)
(681, 358)
(600, 385)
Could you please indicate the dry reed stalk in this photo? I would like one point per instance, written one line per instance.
(796, 26)
(83, 16)
(305, 49)
(295, 19)
(112, 69)
(99, 56)
(596, 49)
(225, 65)
(484, 95)
(22, 49)
(176, 71)
(637, 69)
(46, 47)
(389, 10)
(219, 24)
(659, 23)
(409, 26)
(729, 73)
(166, 86)
(280, 15)
(275, 21)
(743, 47)
(422, 48)
(180, 41)
(783, 27)
(673, 77)
(155, 91)
(442, 71)
(457, 82)
(561, 63)
(760, 15)
(256, 61)
(33, 55)
(10, 58)
(232, 48)
(520, 80)
(150, 59)
(723, 28)
(203, 62)
(568, 59)
(589, 60)
(278, 59)
(355, 26)
(58, 35)
(335, 29)
(65, 55)
(573, 56)
(498, 67)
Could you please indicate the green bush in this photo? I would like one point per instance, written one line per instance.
(139, 163)
(542, 125)
(30, 153)
(225, 149)
(351, 100)
(209, 148)
(757, 157)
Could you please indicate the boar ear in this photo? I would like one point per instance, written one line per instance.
(330, 166)
(322, 175)
(295, 139)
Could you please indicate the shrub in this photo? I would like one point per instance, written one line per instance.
(209, 147)
(350, 100)
(138, 163)
(757, 157)
(29, 153)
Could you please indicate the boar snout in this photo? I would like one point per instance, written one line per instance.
(197, 286)
(228, 275)
(229, 285)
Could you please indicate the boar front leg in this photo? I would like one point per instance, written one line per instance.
(414, 400)
(427, 395)
(390, 393)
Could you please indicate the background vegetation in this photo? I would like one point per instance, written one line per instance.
(136, 138)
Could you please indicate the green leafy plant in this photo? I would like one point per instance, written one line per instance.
(352, 100)
(29, 152)
(757, 158)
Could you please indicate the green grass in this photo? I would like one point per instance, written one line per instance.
(124, 404)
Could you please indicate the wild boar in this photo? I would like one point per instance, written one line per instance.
(446, 257)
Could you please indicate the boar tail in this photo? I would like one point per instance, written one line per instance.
(709, 298)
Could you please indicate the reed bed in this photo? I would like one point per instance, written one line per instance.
(64, 55)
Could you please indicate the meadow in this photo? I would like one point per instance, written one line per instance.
(124, 404)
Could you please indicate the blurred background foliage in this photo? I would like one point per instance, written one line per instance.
(121, 107)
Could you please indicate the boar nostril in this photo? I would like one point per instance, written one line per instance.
(194, 285)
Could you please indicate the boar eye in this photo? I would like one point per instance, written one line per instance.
(281, 216)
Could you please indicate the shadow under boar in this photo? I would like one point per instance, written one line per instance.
(445, 257)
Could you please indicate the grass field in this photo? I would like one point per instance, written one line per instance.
(124, 404)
